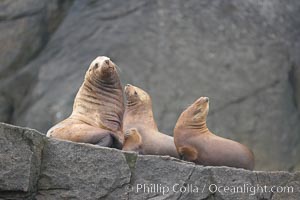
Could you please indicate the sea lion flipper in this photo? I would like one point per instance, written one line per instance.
(116, 141)
(106, 141)
(188, 153)
(133, 140)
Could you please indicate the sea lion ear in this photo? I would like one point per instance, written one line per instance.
(197, 116)
(199, 110)
(138, 95)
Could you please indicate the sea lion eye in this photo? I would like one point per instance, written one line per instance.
(135, 93)
(96, 65)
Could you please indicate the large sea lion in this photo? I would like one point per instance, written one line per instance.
(194, 141)
(98, 108)
(139, 115)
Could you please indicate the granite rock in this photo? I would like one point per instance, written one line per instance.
(35, 167)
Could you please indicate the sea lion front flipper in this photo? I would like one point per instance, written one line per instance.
(81, 132)
(106, 141)
(89, 134)
(109, 139)
(188, 153)
(133, 140)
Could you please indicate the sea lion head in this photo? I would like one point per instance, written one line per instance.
(198, 111)
(136, 96)
(102, 69)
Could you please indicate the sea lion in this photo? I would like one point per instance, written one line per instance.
(138, 114)
(133, 141)
(98, 108)
(194, 141)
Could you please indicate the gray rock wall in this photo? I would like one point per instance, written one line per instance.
(26, 26)
(35, 167)
(244, 55)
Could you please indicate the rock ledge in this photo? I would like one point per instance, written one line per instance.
(35, 167)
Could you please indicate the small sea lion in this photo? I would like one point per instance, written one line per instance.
(139, 115)
(194, 141)
(98, 108)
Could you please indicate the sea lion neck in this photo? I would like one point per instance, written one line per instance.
(140, 114)
(100, 103)
(109, 82)
(138, 106)
(133, 105)
(199, 126)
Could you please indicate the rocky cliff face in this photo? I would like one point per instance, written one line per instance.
(35, 167)
(25, 26)
(244, 55)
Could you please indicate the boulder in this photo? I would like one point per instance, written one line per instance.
(20, 161)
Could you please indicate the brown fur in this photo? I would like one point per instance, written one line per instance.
(194, 141)
(98, 108)
(133, 141)
(139, 115)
